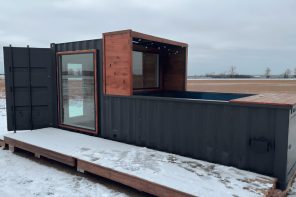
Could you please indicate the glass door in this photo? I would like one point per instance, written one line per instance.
(77, 90)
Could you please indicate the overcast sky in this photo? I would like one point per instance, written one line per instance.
(250, 35)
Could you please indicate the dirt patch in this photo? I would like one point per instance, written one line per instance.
(235, 86)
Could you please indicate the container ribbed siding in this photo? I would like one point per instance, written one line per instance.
(79, 45)
(248, 137)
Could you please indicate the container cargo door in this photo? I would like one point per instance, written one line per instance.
(28, 83)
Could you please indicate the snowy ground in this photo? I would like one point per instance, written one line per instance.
(22, 175)
(3, 128)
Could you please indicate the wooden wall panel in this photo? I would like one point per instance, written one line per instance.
(150, 72)
(175, 71)
(118, 63)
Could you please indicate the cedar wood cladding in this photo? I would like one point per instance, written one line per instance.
(117, 63)
(118, 77)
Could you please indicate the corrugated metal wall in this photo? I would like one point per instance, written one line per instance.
(247, 137)
(79, 45)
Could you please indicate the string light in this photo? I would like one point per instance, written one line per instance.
(171, 50)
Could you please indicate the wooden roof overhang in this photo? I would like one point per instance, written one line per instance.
(135, 34)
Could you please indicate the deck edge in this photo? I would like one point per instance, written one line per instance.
(130, 180)
(59, 157)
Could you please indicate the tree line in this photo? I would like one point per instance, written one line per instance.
(233, 73)
(287, 74)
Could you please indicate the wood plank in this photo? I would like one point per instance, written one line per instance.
(157, 39)
(65, 159)
(147, 37)
(129, 180)
(280, 99)
(117, 64)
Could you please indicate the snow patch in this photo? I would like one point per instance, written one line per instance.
(23, 177)
(3, 122)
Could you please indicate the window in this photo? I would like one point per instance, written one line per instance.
(77, 90)
(145, 70)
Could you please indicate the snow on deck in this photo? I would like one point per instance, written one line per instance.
(191, 176)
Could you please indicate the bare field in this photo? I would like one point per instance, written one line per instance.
(235, 86)
(243, 86)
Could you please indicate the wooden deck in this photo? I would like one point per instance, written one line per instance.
(85, 166)
(288, 100)
(129, 180)
(90, 157)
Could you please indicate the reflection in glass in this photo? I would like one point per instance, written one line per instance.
(77, 94)
(145, 70)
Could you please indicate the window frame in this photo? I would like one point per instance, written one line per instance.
(59, 91)
(159, 87)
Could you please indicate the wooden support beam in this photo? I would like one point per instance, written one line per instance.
(80, 170)
(2, 143)
(38, 151)
(11, 148)
(37, 155)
